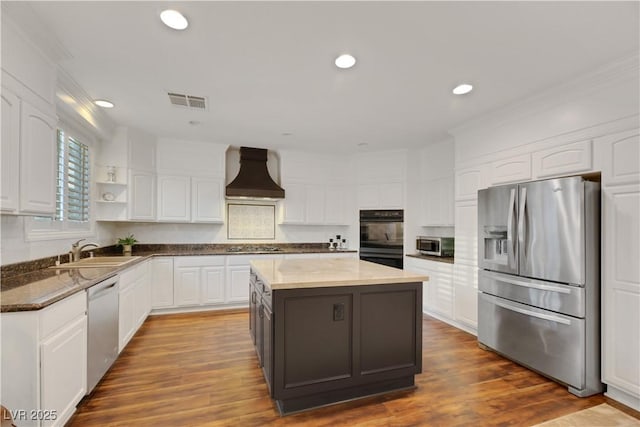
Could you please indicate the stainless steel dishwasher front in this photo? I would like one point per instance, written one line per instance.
(102, 335)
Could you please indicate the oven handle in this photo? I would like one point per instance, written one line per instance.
(531, 313)
(527, 284)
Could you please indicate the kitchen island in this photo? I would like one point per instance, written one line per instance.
(331, 330)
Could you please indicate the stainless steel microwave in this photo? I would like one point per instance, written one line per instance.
(435, 246)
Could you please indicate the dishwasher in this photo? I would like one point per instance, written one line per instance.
(102, 330)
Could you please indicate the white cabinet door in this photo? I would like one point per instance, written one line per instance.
(437, 207)
(381, 196)
(621, 289)
(64, 369)
(10, 155)
(466, 233)
(293, 206)
(127, 315)
(314, 204)
(207, 200)
(186, 285)
(368, 196)
(440, 289)
(162, 282)
(142, 297)
(465, 285)
(621, 154)
(238, 283)
(335, 209)
(37, 161)
(391, 195)
(213, 284)
(142, 197)
(512, 169)
(468, 181)
(174, 198)
(563, 160)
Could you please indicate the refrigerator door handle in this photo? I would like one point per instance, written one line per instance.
(543, 316)
(511, 242)
(522, 283)
(521, 222)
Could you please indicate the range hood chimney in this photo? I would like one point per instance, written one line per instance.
(253, 180)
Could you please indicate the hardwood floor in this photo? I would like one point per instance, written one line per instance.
(201, 370)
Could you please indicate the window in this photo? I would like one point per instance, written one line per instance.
(73, 193)
(72, 188)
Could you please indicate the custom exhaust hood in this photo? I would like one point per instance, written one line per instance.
(253, 180)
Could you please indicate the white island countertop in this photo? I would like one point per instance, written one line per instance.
(328, 272)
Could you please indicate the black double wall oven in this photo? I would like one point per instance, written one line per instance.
(381, 236)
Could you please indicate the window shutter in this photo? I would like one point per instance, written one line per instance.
(77, 181)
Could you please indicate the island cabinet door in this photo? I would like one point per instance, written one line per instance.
(316, 339)
(267, 346)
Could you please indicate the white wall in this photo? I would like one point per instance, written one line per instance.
(217, 233)
(14, 247)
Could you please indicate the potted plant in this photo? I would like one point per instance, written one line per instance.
(127, 243)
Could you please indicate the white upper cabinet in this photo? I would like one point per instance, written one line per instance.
(174, 198)
(621, 154)
(563, 160)
(142, 199)
(316, 189)
(437, 207)
(436, 185)
(207, 199)
(10, 108)
(512, 169)
(381, 178)
(469, 180)
(37, 161)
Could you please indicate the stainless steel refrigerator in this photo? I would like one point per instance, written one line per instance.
(539, 278)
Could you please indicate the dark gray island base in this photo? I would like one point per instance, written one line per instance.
(324, 345)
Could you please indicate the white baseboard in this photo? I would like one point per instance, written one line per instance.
(451, 322)
(193, 309)
(623, 397)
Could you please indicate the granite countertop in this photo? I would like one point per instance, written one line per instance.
(307, 273)
(445, 259)
(38, 289)
(34, 290)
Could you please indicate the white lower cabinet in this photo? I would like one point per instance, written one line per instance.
(198, 280)
(238, 277)
(44, 361)
(63, 354)
(437, 292)
(621, 294)
(162, 282)
(134, 301)
(465, 288)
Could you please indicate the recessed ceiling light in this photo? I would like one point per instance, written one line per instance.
(194, 122)
(345, 61)
(174, 19)
(286, 134)
(363, 144)
(103, 103)
(462, 89)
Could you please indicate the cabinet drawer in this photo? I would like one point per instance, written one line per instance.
(61, 313)
(199, 261)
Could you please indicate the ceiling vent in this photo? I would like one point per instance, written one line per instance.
(188, 101)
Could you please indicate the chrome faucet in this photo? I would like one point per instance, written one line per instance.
(76, 249)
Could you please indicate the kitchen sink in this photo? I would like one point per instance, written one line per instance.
(100, 261)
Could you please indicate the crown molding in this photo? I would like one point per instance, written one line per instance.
(72, 98)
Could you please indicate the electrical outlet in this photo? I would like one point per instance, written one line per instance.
(338, 312)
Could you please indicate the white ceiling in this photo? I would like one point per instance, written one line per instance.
(267, 67)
